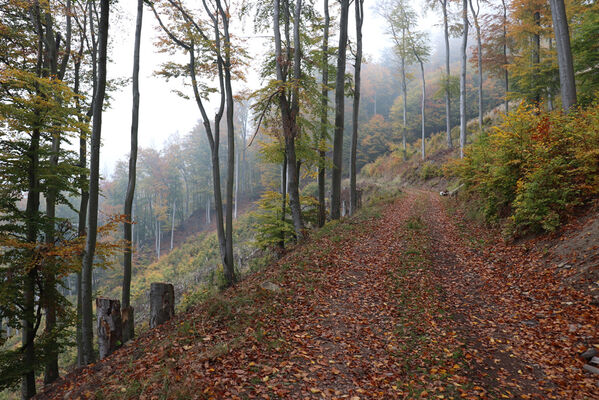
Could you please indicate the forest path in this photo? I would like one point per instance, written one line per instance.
(401, 301)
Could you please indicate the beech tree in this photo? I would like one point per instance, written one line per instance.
(184, 32)
(475, 17)
(463, 49)
(564, 53)
(359, 12)
(324, 118)
(128, 323)
(87, 348)
(339, 113)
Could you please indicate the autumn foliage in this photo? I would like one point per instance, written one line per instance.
(535, 168)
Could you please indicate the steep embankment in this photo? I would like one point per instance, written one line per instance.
(404, 300)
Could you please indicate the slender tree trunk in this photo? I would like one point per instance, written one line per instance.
(229, 260)
(90, 244)
(284, 198)
(236, 186)
(564, 54)
(447, 75)
(505, 60)
(129, 326)
(339, 113)
(475, 14)
(82, 215)
(404, 92)
(324, 118)
(463, 49)
(359, 11)
(173, 224)
(294, 198)
(536, 58)
(28, 323)
(422, 108)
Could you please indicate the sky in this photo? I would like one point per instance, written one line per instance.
(162, 112)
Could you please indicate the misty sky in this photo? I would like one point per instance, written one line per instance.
(163, 113)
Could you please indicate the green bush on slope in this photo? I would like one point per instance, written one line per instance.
(535, 167)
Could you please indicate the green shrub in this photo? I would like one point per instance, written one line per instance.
(270, 228)
(429, 170)
(535, 167)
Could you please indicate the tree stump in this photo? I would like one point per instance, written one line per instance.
(162, 303)
(128, 323)
(110, 327)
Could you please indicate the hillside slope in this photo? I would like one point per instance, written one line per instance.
(404, 300)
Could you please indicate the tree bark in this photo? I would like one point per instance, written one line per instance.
(324, 119)
(129, 326)
(479, 63)
(339, 113)
(564, 54)
(353, 198)
(536, 58)
(422, 108)
(229, 261)
(110, 327)
(505, 60)
(90, 243)
(447, 75)
(162, 303)
(463, 49)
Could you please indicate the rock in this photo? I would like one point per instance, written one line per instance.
(590, 368)
(589, 354)
(530, 322)
(271, 287)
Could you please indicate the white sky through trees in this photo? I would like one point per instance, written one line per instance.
(162, 112)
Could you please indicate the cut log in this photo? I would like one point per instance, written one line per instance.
(128, 323)
(110, 328)
(162, 303)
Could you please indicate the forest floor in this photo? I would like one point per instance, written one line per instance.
(404, 300)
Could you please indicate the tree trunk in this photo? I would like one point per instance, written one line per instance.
(229, 262)
(129, 327)
(447, 76)
(284, 198)
(90, 243)
(536, 59)
(339, 113)
(236, 186)
(404, 92)
(110, 327)
(324, 118)
(506, 72)
(564, 54)
(422, 106)
(173, 224)
(463, 49)
(28, 323)
(162, 303)
(353, 198)
(479, 63)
